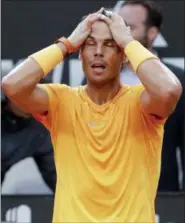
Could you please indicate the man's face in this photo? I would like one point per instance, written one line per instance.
(101, 57)
(135, 16)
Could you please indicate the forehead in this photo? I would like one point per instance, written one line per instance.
(100, 31)
(133, 14)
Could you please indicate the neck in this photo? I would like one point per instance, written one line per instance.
(104, 93)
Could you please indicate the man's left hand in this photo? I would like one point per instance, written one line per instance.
(120, 32)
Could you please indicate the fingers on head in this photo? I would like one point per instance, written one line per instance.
(101, 10)
(92, 18)
(96, 13)
(106, 19)
(99, 16)
(115, 17)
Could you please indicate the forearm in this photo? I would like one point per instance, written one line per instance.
(24, 78)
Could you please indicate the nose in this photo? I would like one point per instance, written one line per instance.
(99, 51)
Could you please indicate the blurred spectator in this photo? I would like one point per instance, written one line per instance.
(145, 26)
(23, 137)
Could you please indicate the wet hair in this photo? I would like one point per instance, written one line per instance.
(154, 12)
(106, 12)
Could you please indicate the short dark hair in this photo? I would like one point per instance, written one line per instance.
(154, 11)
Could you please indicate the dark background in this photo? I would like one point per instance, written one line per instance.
(30, 25)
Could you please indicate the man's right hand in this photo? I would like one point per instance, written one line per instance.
(83, 29)
(21, 84)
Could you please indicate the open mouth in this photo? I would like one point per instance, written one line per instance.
(98, 67)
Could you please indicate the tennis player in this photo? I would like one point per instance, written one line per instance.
(107, 137)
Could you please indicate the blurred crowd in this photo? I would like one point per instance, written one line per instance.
(23, 137)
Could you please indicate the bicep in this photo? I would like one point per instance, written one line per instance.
(159, 109)
(36, 102)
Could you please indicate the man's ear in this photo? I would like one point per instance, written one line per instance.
(153, 32)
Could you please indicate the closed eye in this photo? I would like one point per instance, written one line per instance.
(110, 43)
(90, 42)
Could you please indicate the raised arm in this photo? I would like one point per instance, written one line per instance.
(162, 87)
(21, 84)
(22, 88)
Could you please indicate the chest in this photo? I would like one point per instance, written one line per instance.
(111, 125)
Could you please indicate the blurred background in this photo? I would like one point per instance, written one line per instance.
(27, 168)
